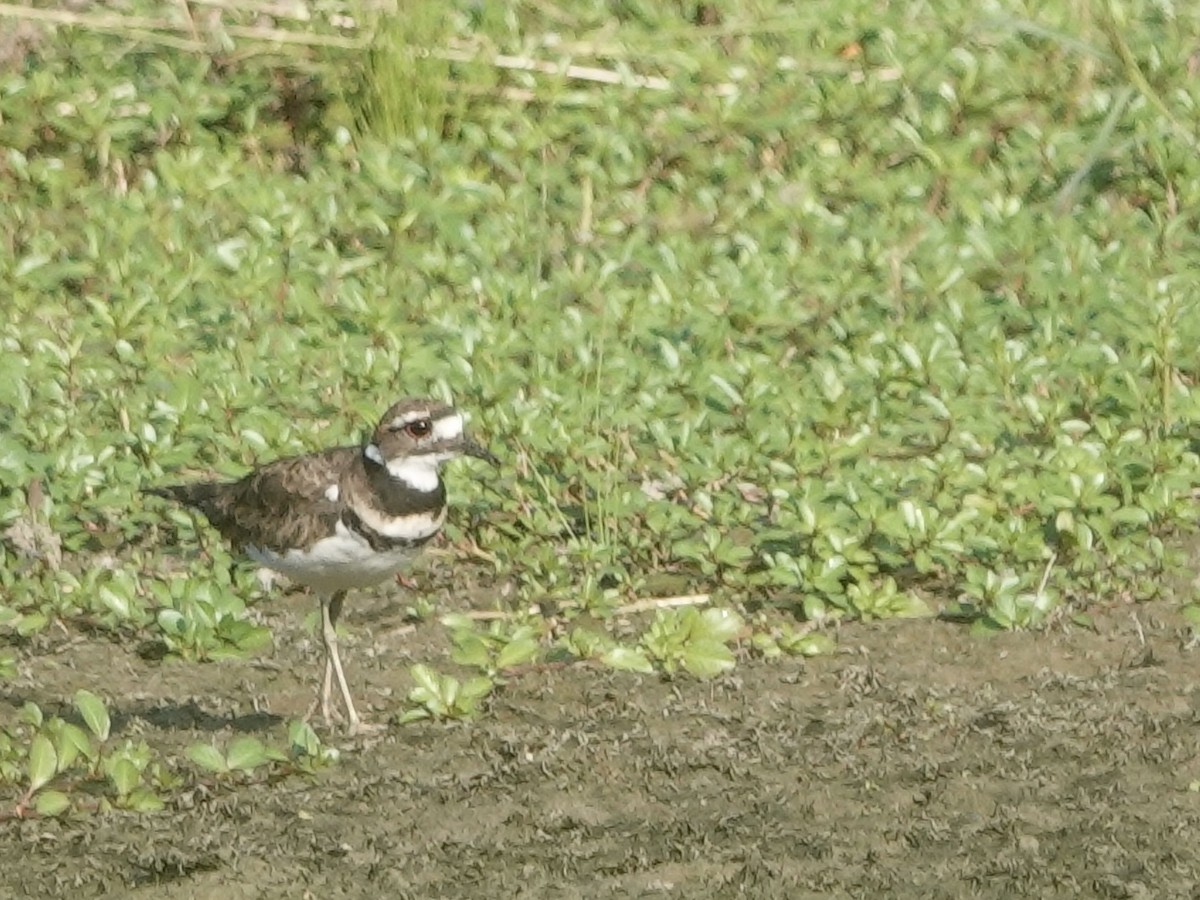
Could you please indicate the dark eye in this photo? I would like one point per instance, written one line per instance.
(420, 428)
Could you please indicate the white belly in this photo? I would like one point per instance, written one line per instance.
(336, 563)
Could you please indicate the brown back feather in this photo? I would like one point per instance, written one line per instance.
(279, 505)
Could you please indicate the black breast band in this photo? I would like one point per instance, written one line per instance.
(377, 540)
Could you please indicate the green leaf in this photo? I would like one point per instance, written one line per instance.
(94, 713)
(302, 739)
(255, 637)
(707, 658)
(476, 688)
(719, 625)
(124, 775)
(31, 623)
(1129, 515)
(815, 608)
(516, 653)
(426, 679)
(583, 643)
(144, 800)
(32, 714)
(627, 659)
(51, 803)
(450, 689)
(117, 603)
(909, 606)
(814, 643)
(43, 762)
(247, 753)
(207, 757)
(172, 622)
(470, 650)
(766, 645)
(986, 626)
(457, 622)
(70, 743)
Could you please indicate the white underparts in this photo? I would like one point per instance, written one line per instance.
(345, 560)
(413, 527)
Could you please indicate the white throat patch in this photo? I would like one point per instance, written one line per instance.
(419, 472)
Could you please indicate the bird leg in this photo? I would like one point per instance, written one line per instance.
(323, 694)
(331, 608)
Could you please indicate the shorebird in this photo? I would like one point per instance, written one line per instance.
(349, 517)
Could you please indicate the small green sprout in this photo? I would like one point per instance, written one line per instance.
(438, 696)
(693, 640)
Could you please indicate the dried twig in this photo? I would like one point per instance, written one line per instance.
(186, 36)
(164, 31)
(398, 631)
(568, 70)
(1137, 623)
(1046, 573)
(664, 603)
(294, 10)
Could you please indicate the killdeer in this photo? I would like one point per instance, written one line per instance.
(350, 517)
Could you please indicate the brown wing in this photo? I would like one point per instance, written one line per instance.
(280, 505)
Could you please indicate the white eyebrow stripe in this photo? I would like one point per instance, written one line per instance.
(405, 418)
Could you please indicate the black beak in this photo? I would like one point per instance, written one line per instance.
(473, 448)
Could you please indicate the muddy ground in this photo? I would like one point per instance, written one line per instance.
(917, 762)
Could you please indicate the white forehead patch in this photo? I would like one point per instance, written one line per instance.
(449, 428)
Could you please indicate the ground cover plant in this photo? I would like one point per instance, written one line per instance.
(781, 318)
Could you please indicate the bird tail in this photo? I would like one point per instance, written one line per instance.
(201, 495)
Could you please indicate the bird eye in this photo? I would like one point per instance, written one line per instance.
(420, 428)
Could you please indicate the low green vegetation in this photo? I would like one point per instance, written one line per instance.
(74, 764)
(809, 312)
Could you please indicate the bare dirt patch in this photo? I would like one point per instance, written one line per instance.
(919, 762)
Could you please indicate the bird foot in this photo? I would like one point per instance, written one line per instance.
(365, 729)
(331, 716)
